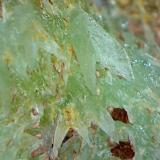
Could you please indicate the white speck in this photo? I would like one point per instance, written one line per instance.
(124, 25)
(126, 45)
(98, 91)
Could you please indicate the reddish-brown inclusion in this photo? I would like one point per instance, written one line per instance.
(40, 150)
(123, 150)
(120, 114)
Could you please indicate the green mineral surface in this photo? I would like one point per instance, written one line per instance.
(76, 83)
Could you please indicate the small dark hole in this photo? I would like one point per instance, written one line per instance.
(34, 112)
(71, 132)
(50, 1)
